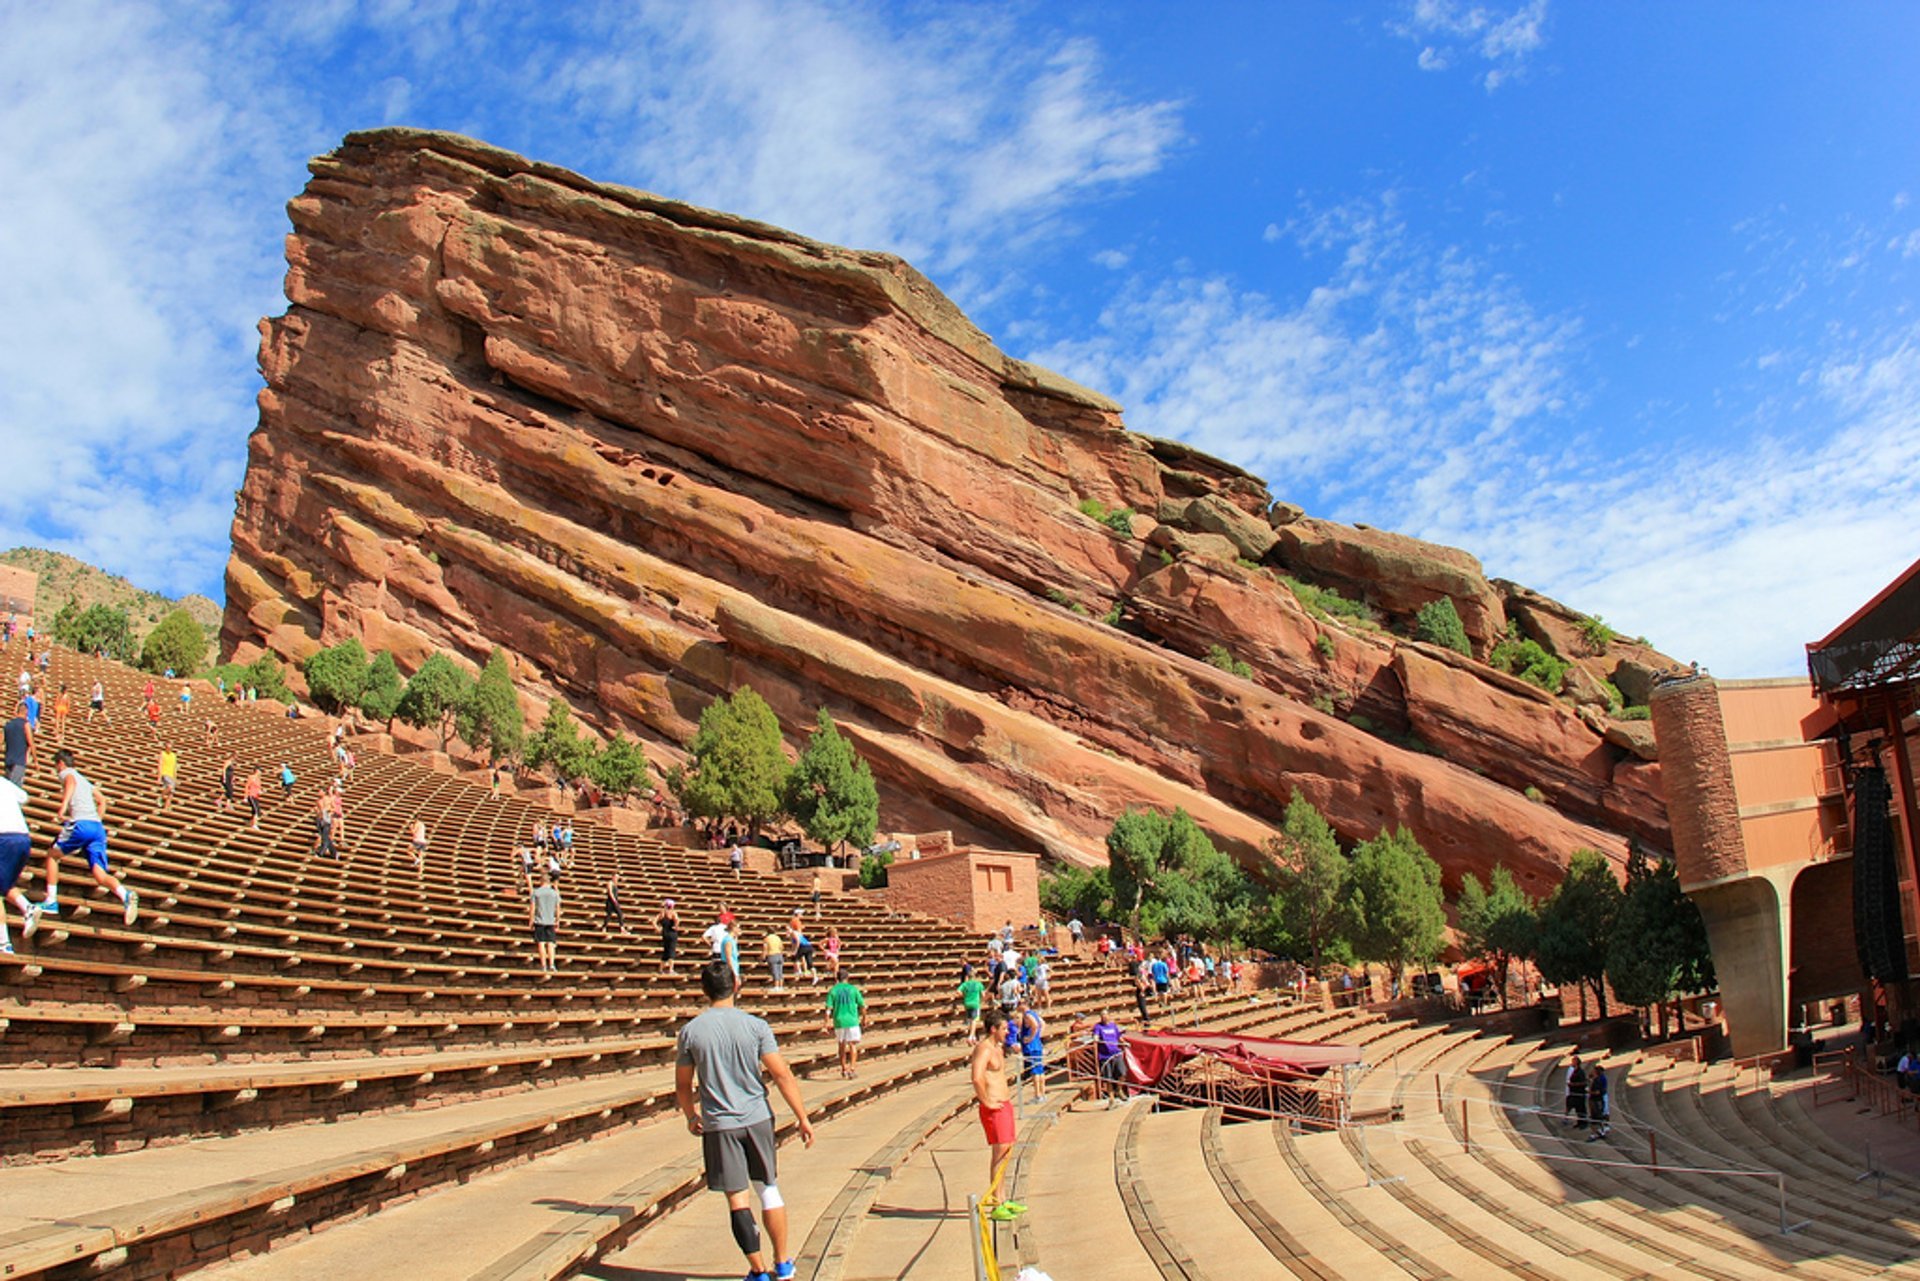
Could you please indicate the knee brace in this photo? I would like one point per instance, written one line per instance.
(770, 1198)
(746, 1233)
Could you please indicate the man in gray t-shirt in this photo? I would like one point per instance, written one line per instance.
(543, 905)
(726, 1050)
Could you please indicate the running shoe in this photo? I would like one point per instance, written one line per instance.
(6, 949)
(132, 913)
(783, 1270)
(50, 905)
(32, 919)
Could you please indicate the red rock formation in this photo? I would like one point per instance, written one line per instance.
(655, 452)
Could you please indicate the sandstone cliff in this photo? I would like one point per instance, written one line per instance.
(655, 452)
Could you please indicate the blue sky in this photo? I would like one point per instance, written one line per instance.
(1621, 298)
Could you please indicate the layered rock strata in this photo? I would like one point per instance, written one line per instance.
(656, 452)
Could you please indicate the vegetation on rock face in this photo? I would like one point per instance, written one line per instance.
(1499, 924)
(1400, 917)
(94, 629)
(1323, 645)
(1529, 660)
(830, 790)
(1577, 926)
(1312, 899)
(1659, 944)
(739, 767)
(1117, 519)
(433, 696)
(1320, 602)
(337, 676)
(177, 645)
(1596, 634)
(1221, 657)
(1438, 623)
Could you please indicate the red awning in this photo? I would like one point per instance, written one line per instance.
(1151, 1055)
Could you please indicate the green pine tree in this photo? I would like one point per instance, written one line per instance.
(433, 695)
(1400, 918)
(1577, 924)
(1311, 896)
(558, 743)
(337, 676)
(1659, 944)
(489, 716)
(739, 768)
(619, 768)
(177, 643)
(830, 790)
(1498, 923)
(380, 696)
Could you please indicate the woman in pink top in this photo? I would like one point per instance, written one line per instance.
(832, 950)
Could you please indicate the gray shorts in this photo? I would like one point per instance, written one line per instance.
(17, 774)
(736, 1158)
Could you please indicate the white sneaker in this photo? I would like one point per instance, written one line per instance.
(31, 921)
(132, 913)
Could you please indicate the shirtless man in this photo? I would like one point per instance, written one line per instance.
(988, 1069)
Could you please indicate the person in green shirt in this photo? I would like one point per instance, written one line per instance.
(845, 1004)
(971, 990)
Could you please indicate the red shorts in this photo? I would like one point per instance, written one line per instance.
(997, 1122)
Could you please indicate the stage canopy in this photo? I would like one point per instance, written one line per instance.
(1878, 646)
(1151, 1055)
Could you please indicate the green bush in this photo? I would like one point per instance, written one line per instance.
(1093, 509)
(1320, 602)
(1528, 660)
(1634, 714)
(1438, 623)
(176, 645)
(489, 716)
(1597, 635)
(1533, 793)
(1324, 646)
(619, 767)
(433, 695)
(558, 743)
(1323, 704)
(873, 870)
(1112, 617)
(1120, 521)
(1221, 657)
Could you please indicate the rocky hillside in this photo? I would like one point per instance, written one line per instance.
(65, 578)
(656, 452)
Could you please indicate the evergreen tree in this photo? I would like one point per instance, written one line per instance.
(177, 643)
(830, 790)
(1400, 918)
(337, 676)
(739, 766)
(558, 743)
(1077, 891)
(1311, 895)
(489, 716)
(432, 697)
(1577, 924)
(95, 628)
(619, 768)
(267, 678)
(1438, 623)
(1498, 923)
(1659, 943)
(1169, 879)
(380, 697)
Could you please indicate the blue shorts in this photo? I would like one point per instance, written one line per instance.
(1036, 1056)
(14, 848)
(89, 837)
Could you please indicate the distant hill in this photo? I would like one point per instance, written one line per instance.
(64, 578)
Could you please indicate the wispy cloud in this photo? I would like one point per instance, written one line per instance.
(932, 139)
(150, 149)
(1501, 41)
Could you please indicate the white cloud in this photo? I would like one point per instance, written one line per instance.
(931, 141)
(1111, 259)
(1446, 30)
(150, 149)
(1416, 389)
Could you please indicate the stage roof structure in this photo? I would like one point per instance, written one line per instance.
(1877, 648)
